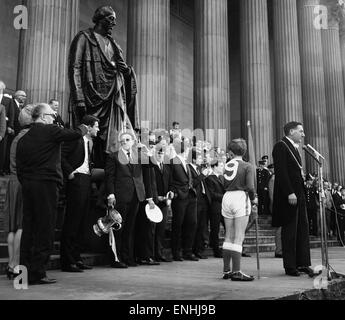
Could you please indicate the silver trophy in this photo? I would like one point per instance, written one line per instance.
(112, 220)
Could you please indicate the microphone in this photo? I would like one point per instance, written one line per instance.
(313, 155)
(315, 152)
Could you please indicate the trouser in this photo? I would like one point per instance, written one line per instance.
(4, 154)
(144, 235)
(313, 220)
(77, 209)
(160, 232)
(184, 223)
(295, 241)
(263, 205)
(202, 213)
(125, 236)
(278, 241)
(341, 222)
(215, 219)
(39, 214)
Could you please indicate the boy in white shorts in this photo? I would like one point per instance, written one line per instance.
(236, 208)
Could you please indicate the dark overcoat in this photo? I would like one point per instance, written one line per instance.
(288, 180)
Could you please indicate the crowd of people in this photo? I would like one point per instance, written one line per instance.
(203, 187)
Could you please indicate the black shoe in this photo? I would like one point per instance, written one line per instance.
(309, 271)
(83, 266)
(190, 257)
(149, 262)
(217, 254)
(42, 281)
(71, 268)
(118, 265)
(11, 275)
(292, 272)
(201, 256)
(246, 255)
(240, 276)
(277, 255)
(227, 275)
(178, 258)
(163, 259)
(131, 263)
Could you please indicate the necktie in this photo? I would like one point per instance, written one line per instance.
(161, 167)
(129, 157)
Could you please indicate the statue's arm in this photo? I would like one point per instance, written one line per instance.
(75, 69)
(121, 63)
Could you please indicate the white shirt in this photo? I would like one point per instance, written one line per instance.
(202, 183)
(126, 153)
(84, 168)
(296, 145)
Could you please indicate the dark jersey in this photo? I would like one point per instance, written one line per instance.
(240, 176)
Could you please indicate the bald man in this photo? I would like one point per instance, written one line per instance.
(39, 172)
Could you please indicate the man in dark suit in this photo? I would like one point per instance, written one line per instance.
(162, 174)
(184, 205)
(263, 176)
(8, 103)
(289, 203)
(215, 185)
(203, 200)
(339, 203)
(76, 165)
(39, 172)
(125, 189)
(54, 104)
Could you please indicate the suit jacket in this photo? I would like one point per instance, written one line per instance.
(16, 113)
(179, 181)
(58, 121)
(197, 180)
(124, 179)
(2, 121)
(338, 202)
(10, 110)
(216, 189)
(73, 155)
(288, 180)
(162, 179)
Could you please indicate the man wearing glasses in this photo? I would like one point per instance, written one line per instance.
(125, 189)
(39, 172)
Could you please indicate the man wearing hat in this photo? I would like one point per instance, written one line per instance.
(263, 175)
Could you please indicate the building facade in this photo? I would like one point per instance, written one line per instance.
(209, 64)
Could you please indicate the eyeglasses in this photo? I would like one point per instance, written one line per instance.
(126, 140)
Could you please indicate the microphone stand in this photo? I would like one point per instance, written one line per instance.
(324, 238)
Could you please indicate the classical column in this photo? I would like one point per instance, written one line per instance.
(288, 84)
(52, 26)
(313, 84)
(342, 40)
(334, 85)
(211, 66)
(148, 42)
(255, 67)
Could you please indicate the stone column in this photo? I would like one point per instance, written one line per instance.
(334, 85)
(313, 84)
(255, 69)
(288, 84)
(148, 42)
(342, 39)
(211, 67)
(52, 26)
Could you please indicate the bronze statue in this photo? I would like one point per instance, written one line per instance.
(102, 84)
